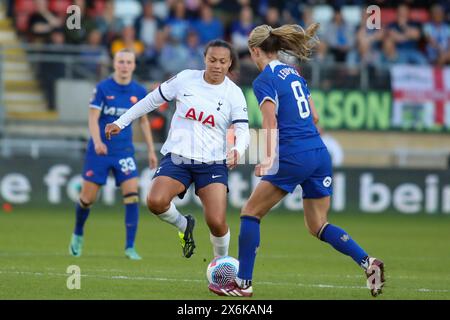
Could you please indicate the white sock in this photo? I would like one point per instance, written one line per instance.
(174, 217)
(244, 284)
(220, 244)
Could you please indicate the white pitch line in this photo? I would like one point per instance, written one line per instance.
(348, 276)
(121, 277)
(98, 276)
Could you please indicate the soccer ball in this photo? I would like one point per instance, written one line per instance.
(222, 270)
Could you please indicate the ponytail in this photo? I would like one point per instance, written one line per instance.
(290, 38)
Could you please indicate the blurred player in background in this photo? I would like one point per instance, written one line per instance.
(301, 156)
(112, 98)
(207, 103)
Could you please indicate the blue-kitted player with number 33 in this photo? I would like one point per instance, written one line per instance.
(112, 98)
(296, 156)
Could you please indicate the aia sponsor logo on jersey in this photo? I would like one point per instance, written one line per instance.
(200, 117)
(133, 99)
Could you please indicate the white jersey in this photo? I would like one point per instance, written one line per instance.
(204, 112)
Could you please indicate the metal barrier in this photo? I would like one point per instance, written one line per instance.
(74, 60)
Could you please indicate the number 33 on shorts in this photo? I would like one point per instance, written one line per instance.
(127, 164)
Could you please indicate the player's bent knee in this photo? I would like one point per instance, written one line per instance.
(216, 223)
(130, 198)
(218, 229)
(157, 204)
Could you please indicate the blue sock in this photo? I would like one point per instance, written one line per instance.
(131, 223)
(248, 244)
(81, 215)
(342, 242)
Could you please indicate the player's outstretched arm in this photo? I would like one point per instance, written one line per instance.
(151, 101)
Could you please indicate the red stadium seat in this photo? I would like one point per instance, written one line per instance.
(389, 15)
(420, 15)
(99, 7)
(22, 22)
(59, 6)
(24, 6)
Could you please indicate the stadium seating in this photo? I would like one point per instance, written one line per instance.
(352, 14)
(389, 15)
(322, 14)
(22, 96)
(59, 6)
(127, 10)
(24, 8)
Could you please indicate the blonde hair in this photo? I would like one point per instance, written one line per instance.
(290, 38)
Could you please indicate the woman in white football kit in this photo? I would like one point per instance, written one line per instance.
(207, 104)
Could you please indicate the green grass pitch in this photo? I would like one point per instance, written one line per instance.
(290, 263)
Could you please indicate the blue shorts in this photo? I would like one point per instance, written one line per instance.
(96, 168)
(187, 171)
(311, 169)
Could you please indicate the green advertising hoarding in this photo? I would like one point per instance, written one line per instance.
(354, 110)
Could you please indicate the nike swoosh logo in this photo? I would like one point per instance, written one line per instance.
(188, 95)
(213, 176)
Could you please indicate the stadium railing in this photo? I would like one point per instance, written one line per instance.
(72, 57)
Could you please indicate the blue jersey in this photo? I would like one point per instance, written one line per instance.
(281, 84)
(113, 100)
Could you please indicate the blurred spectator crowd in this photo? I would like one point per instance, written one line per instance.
(169, 36)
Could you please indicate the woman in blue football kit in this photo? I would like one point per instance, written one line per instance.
(113, 97)
(299, 157)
